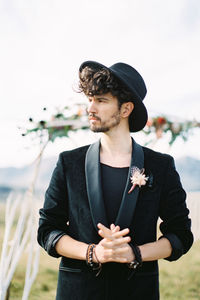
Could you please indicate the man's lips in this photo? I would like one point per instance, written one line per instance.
(93, 118)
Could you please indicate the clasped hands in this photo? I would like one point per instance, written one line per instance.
(114, 245)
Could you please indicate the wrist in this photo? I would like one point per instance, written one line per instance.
(94, 256)
(91, 257)
(131, 254)
(137, 260)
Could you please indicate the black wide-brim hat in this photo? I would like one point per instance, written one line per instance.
(133, 82)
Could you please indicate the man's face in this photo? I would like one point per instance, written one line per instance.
(104, 112)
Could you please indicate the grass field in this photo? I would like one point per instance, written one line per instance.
(179, 280)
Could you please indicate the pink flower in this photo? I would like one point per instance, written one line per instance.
(137, 178)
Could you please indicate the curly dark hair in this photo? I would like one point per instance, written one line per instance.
(101, 81)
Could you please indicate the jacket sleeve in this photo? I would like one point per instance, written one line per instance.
(54, 214)
(175, 225)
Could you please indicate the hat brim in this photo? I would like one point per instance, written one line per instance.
(139, 116)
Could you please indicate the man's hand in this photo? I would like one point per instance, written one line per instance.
(114, 245)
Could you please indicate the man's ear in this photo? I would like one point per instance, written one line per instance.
(126, 109)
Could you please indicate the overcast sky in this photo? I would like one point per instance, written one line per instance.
(43, 42)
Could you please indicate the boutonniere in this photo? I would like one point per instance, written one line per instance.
(137, 178)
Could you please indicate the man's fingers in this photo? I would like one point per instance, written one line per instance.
(117, 228)
(121, 233)
(116, 259)
(112, 255)
(116, 243)
(106, 236)
(105, 229)
(112, 227)
(113, 233)
(121, 251)
(104, 232)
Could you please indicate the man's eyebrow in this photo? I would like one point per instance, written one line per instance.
(101, 97)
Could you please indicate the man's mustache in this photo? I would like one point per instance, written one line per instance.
(92, 115)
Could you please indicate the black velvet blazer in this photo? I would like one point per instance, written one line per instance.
(74, 206)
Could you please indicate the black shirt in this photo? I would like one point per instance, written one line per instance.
(113, 185)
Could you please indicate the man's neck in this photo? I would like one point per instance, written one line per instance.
(116, 149)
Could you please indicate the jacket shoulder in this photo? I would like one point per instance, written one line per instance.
(158, 160)
(149, 153)
(74, 154)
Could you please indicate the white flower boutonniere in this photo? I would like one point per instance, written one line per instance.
(137, 178)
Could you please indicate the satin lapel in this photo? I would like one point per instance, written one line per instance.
(129, 201)
(93, 183)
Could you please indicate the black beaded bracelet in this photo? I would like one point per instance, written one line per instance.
(137, 262)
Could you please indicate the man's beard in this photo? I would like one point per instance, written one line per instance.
(106, 125)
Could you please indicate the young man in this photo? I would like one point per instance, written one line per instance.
(103, 202)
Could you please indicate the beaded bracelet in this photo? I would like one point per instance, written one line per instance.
(89, 259)
(89, 255)
(98, 263)
(137, 262)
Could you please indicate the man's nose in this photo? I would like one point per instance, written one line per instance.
(92, 107)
